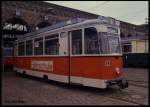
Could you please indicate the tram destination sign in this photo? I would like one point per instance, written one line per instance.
(42, 65)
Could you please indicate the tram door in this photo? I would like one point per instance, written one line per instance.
(63, 51)
(75, 51)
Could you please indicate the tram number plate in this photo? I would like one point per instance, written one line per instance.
(42, 65)
(108, 63)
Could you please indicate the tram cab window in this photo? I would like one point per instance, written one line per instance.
(76, 40)
(21, 49)
(114, 44)
(52, 45)
(29, 46)
(38, 46)
(91, 41)
(104, 42)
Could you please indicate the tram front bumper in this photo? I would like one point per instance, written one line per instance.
(123, 83)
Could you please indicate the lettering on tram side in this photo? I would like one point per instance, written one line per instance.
(42, 65)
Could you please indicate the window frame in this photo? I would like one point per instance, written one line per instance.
(26, 47)
(48, 39)
(70, 41)
(105, 47)
(100, 52)
(15, 49)
(42, 37)
(119, 43)
(19, 50)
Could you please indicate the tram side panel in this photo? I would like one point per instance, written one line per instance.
(94, 71)
(56, 68)
(88, 71)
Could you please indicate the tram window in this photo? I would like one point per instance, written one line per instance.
(38, 46)
(21, 49)
(29, 46)
(15, 49)
(76, 41)
(52, 45)
(114, 44)
(104, 42)
(92, 41)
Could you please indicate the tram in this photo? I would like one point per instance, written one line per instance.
(77, 51)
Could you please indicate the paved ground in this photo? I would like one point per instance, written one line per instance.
(19, 90)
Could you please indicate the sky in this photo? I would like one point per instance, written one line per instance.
(134, 12)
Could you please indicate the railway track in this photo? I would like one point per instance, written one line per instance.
(143, 84)
(131, 102)
(135, 94)
(131, 97)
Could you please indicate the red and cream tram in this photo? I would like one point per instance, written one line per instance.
(85, 52)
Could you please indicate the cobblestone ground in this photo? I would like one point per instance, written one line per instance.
(19, 90)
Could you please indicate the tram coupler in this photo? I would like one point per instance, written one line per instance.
(123, 83)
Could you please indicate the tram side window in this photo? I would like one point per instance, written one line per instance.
(76, 42)
(38, 46)
(91, 42)
(52, 45)
(15, 49)
(29, 46)
(21, 49)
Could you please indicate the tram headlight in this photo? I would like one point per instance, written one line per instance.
(117, 70)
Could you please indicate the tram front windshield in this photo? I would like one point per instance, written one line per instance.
(110, 43)
(101, 43)
(114, 44)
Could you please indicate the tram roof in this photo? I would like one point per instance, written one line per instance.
(66, 24)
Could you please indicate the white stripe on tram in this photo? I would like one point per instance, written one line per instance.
(98, 83)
